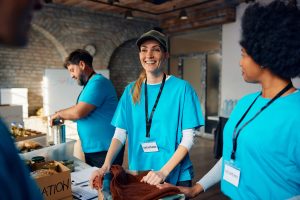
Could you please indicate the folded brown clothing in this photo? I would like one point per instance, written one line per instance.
(125, 186)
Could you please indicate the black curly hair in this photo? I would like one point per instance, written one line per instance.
(271, 36)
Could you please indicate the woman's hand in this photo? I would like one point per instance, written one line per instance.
(96, 179)
(154, 177)
(189, 192)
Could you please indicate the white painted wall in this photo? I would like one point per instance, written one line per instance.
(60, 90)
(15, 96)
(232, 84)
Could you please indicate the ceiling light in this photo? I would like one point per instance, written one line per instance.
(183, 15)
(128, 14)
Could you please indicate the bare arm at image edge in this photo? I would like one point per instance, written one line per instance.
(212, 177)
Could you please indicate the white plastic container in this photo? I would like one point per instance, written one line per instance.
(63, 151)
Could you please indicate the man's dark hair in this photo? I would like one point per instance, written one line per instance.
(271, 36)
(79, 55)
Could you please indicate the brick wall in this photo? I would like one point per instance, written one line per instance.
(57, 30)
(125, 65)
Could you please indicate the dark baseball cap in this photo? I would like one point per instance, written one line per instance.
(153, 35)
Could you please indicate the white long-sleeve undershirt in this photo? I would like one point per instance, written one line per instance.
(212, 177)
(187, 137)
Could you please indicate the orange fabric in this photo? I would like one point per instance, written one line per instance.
(126, 186)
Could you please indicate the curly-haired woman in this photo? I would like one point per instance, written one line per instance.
(261, 151)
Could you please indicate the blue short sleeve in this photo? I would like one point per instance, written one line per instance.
(120, 120)
(294, 143)
(95, 129)
(192, 114)
(95, 93)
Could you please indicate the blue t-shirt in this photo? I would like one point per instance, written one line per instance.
(15, 180)
(95, 130)
(178, 109)
(268, 149)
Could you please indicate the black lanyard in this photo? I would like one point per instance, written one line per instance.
(149, 120)
(85, 85)
(237, 133)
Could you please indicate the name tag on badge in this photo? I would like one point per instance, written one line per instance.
(149, 146)
(231, 174)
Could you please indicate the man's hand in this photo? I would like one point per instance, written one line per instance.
(54, 118)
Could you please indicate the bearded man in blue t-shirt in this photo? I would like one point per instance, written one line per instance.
(93, 110)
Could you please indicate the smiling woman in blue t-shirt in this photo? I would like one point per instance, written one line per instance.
(158, 114)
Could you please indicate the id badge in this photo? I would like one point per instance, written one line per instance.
(231, 173)
(149, 146)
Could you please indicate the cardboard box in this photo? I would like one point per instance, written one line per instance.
(57, 186)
